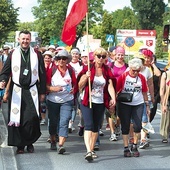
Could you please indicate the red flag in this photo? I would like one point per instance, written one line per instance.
(75, 13)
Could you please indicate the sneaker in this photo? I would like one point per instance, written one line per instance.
(164, 140)
(113, 137)
(42, 122)
(96, 147)
(101, 133)
(127, 153)
(94, 155)
(107, 127)
(143, 145)
(89, 156)
(81, 131)
(61, 150)
(135, 151)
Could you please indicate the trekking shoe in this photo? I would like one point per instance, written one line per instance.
(20, 150)
(143, 145)
(42, 122)
(30, 148)
(135, 151)
(61, 150)
(89, 156)
(101, 133)
(96, 147)
(81, 131)
(113, 137)
(127, 153)
(107, 127)
(94, 155)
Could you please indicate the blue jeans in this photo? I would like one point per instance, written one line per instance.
(59, 115)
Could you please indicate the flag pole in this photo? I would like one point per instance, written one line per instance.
(87, 33)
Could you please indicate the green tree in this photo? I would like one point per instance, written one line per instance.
(106, 28)
(159, 45)
(8, 19)
(149, 12)
(125, 19)
(51, 14)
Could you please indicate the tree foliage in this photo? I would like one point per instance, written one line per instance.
(149, 12)
(8, 18)
(51, 14)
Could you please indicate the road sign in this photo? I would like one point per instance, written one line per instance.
(109, 38)
(129, 41)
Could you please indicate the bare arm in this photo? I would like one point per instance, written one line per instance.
(111, 91)
(83, 80)
(162, 86)
(151, 88)
(156, 71)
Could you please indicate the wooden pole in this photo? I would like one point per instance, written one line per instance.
(87, 33)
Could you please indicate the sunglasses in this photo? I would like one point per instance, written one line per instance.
(61, 58)
(136, 71)
(101, 56)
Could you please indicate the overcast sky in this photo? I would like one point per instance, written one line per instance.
(25, 14)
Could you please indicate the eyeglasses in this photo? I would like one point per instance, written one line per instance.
(101, 56)
(61, 58)
(136, 71)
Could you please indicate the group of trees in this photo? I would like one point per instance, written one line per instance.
(50, 16)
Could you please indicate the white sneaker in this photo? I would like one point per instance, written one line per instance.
(113, 137)
(42, 122)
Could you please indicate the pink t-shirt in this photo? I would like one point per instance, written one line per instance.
(117, 71)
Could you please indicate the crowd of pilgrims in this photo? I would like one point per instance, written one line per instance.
(87, 84)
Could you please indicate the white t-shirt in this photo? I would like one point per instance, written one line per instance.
(97, 89)
(65, 82)
(77, 67)
(133, 84)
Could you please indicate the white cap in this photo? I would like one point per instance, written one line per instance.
(51, 46)
(48, 53)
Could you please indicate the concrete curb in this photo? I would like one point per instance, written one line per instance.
(7, 155)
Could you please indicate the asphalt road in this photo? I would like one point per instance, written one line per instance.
(155, 157)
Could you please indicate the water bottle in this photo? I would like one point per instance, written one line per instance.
(68, 88)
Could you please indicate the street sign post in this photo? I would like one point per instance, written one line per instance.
(129, 41)
(109, 38)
